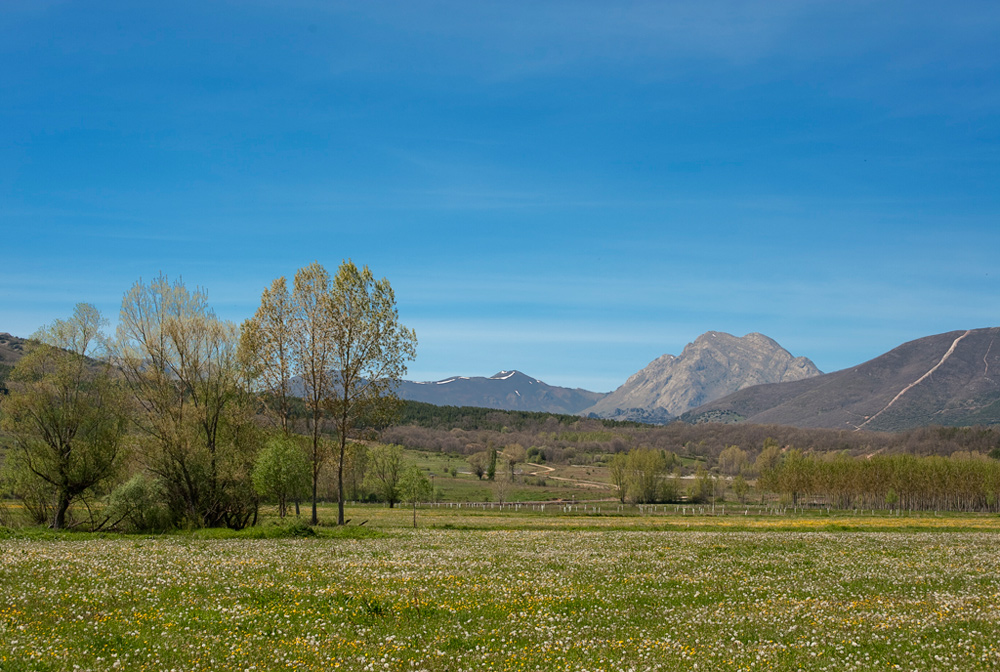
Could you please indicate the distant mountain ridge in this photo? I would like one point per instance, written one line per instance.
(945, 379)
(505, 390)
(714, 365)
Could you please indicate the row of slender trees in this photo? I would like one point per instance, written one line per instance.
(965, 481)
(282, 473)
(962, 482)
(340, 341)
(185, 401)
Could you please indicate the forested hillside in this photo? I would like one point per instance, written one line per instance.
(474, 417)
(561, 437)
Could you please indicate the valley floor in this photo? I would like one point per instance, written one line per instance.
(513, 591)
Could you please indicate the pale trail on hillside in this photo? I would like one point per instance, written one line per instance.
(917, 381)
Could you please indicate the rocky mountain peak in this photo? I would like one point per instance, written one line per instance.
(713, 365)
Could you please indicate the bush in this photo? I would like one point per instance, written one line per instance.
(536, 455)
(138, 506)
(283, 472)
(295, 529)
(36, 496)
(299, 529)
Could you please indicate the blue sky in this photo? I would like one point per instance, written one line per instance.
(567, 188)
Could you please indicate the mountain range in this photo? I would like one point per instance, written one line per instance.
(508, 390)
(950, 379)
(714, 365)
(946, 379)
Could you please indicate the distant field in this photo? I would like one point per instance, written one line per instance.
(598, 516)
(534, 482)
(578, 592)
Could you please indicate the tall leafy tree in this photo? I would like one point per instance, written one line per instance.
(65, 412)
(740, 487)
(480, 463)
(183, 368)
(646, 469)
(385, 471)
(515, 454)
(415, 488)
(618, 469)
(732, 460)
(502, 480)
(341, 340)
(313, 357)
(267, 343)
(370, 349)
(491, 467)
(356, 463)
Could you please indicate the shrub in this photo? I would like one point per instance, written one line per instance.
(138, 506)
(36, 496)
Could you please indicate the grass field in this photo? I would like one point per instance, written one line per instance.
(513, 591)
(561, 481)
(593, 515)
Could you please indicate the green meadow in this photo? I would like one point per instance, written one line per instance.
(525, 589)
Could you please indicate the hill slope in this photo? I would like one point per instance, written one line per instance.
(946, 379)
(11, 350)
(714, 365)
(507, 390)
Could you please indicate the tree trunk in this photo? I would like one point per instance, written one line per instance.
(315, 514)
(315, 517)
(340, 481)
(59, 522)
(315, 466)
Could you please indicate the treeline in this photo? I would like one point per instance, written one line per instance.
(586, 440)
(962, 482)
(471, 418)
(565, 447)
(968, 482)
(183, 418)
(646, 476)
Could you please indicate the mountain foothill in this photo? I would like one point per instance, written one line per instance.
(950, 379)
